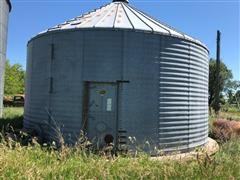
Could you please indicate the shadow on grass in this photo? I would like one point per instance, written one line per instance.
(11, 127)
(11, 132)
(16, 122)
(12, 117)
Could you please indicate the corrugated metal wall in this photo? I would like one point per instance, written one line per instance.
(183, 95)
(4, 11)
(163, 100)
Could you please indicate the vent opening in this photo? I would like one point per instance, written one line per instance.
(108, 139)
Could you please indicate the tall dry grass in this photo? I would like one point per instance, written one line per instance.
(39, 162)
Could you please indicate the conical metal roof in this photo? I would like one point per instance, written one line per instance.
(120, 15)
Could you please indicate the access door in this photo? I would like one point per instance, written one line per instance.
(102, 113)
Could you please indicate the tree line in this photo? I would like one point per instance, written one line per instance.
(230, 89)
(14, 79)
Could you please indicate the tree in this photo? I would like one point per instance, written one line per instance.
(237, 95)
(225, 78)
(14, 79)
(233, 93)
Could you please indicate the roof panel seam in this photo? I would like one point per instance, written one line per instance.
(152, 20)
(92, 12)
(103, 16)
(127, 16)
(115, 15)
(140, 18)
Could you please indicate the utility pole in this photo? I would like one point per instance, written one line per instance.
(217, 75)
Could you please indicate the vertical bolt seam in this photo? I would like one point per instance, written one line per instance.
(189, 92)
(159, 89)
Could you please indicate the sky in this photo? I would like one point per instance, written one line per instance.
(198, 18)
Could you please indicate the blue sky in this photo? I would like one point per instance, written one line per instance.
(200, 19)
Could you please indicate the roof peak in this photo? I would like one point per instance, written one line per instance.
(125, 1)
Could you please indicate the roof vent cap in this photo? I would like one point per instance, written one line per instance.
(125, 1)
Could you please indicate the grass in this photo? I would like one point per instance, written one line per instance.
(12, 117)
(232, 113)
(36, 162)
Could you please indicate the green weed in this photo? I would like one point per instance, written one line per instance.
(38, 162)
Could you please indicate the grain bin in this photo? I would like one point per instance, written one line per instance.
(5, 8)
(120, 76)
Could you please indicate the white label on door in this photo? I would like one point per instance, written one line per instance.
(109, 104)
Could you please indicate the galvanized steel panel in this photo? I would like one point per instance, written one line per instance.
(122, 19)
(5, 7)
(187, 100)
